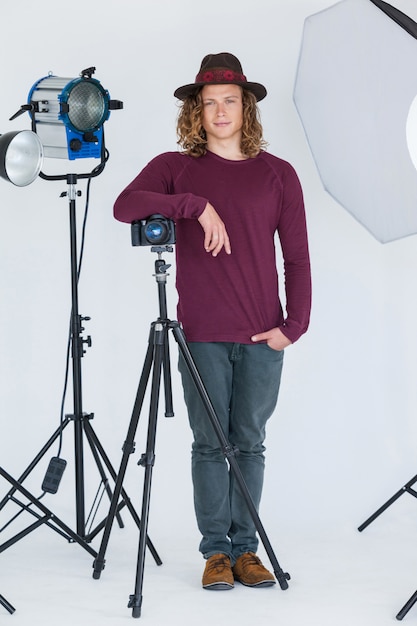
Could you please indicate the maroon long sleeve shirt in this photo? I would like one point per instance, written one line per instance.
(230, 297)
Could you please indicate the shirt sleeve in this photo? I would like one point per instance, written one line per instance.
(152, 192)
(292, 231)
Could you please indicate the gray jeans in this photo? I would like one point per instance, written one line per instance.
(242, 382)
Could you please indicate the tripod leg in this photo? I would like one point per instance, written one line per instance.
(229, 452)
(128, 449)
(6, 604)
(169, 411)
(147, 461)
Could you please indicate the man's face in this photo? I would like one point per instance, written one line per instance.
(222, 111)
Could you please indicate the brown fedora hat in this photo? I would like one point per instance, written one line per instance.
(220, 69)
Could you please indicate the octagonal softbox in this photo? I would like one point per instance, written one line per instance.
(355, 92)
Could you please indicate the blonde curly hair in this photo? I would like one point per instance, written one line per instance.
(192, 136)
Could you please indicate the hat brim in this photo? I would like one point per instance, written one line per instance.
(257, 89)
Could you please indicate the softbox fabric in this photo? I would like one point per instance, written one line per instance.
(355, 85)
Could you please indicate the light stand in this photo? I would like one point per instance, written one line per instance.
(157, 356)
(407, 488)
(328, 87)
(81, 420)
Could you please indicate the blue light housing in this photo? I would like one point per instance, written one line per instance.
(68, 115)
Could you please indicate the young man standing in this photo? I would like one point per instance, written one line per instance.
(228, 198)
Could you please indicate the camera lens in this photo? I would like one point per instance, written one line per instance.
(156, 232)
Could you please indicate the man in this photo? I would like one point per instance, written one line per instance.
(229, 198)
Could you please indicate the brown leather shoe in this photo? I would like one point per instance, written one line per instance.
(218, 573)
(249, 571)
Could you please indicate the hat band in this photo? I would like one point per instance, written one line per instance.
(220, 76)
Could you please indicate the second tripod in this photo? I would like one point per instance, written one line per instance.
(158, 356)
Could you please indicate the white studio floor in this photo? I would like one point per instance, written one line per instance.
(338, 576)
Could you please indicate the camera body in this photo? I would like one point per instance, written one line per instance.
(155, 230)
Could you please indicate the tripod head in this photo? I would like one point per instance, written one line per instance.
(161, 249)
(160, 266)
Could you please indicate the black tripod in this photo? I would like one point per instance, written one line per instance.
(157, 355)
(80, 420)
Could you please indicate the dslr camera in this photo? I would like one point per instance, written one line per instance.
(155, 230)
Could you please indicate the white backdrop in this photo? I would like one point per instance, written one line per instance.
(343, 438)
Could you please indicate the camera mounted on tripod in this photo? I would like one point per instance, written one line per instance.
(155, 230)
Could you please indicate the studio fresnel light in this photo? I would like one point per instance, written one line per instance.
(68, 115)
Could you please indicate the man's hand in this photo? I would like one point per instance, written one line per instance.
(275, 339)
(215, 234)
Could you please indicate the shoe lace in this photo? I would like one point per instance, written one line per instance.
(250, 559)
(219, 564)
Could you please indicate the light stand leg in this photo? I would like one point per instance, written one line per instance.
(35, 461)
(407, 488)
(99, 453)
(48, 517)
(6, 604)
(407, 606)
